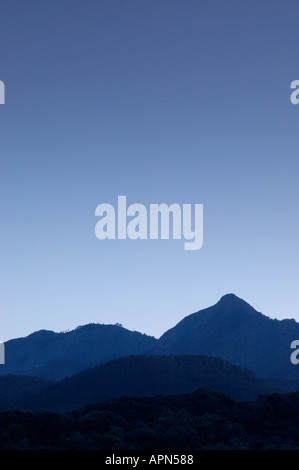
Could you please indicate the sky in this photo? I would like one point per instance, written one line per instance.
(164, 101)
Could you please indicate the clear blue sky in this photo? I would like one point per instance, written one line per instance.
(161, 101)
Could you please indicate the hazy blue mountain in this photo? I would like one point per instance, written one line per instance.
(53, 356)
(235, 331)
(142, 376)
(231, 330)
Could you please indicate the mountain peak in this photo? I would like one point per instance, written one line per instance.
(229, 296)
(230, 300)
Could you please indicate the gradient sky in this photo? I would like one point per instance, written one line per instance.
(161, 101)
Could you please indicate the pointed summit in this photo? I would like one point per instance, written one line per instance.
(233, 330)
(230, 304)
(229, 296)
(231, 300)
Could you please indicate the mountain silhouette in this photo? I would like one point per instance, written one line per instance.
(132, 376)
(235, 331)
(53, 356)
(231, 329)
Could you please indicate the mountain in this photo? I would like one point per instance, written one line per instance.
(13, 389)
(236, 332)
(139, 376)
(53, 356)
(231, 329)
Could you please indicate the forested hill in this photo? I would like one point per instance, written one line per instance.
(134, 376)
(53, 356)
(202, 420)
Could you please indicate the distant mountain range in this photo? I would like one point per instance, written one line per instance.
(231, 331)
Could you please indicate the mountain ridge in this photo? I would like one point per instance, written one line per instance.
(52, 355)
(132, 376)
(231, 329)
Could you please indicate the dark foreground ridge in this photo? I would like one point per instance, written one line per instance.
(202, 420)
